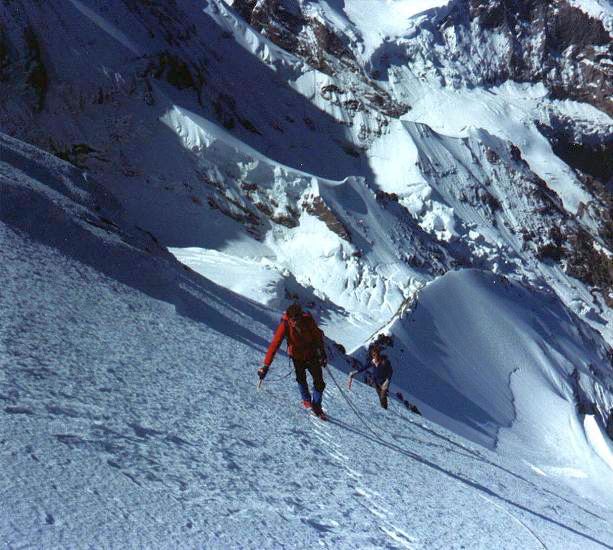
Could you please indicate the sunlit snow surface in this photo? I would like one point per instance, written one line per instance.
(377, 20)
(130, 416)
(601, 9)
(599, 439)
(507, 112)
(252, 279)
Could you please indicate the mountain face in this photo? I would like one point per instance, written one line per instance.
(554, 43)
(130, 416)
(350, 99)
(468, 43)
(363, 157)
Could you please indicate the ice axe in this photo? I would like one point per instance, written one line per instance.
(262, 371)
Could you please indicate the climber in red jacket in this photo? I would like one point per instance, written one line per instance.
(305, 345)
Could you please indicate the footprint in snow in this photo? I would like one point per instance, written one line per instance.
(61, 411)
(320, 526)
(18, 410)
(398, 536)
(177, 440)
(143, 432)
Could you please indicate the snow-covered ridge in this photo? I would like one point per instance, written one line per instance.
(517, 113)
(129, 400)
(190, 191)
(600, 9)
(288, 169)
(354, 273)
(483, 365)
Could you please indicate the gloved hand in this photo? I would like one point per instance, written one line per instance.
(263, 371)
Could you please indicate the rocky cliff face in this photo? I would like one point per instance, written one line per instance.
(290, 26)
(485, 43)
(258, 117)
(469, 42)
(285, 24)
(343, 176)
(553, 43)
(475, 43)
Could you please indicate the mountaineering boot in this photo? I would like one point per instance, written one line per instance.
(382, 397)
(316, 408)
(306, 403)
(319, 412)
(316, 405)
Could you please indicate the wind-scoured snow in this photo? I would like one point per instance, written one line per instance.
(257, 280)
(501, 365)
(375, 21)
(130, 415)
(349, 172)
(507, 112)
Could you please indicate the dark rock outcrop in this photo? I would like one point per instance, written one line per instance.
(322, 47)
(487, 42)
(318, 208)
(295, 32)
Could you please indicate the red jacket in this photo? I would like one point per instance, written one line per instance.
(305, 341)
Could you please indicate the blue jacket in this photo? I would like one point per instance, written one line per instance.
(380, 373)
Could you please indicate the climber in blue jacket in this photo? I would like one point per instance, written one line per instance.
(381, 371)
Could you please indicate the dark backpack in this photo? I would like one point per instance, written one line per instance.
(304, 338)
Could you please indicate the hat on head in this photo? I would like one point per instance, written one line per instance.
(294, 311)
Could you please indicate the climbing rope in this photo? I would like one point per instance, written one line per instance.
(281, 376)
(355, 409)
(342, 392)
(385, 442)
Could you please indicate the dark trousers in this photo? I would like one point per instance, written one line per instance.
(301, 368)
(382, 391)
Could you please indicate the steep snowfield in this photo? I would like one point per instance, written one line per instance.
(254, 279)
(375, 21)
(214, 138)
(502, 365)
(507, 112)
(130, 416)
(399, 157)
(367, 290)
(387, 196)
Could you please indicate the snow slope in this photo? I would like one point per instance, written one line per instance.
(282, 174)
(376, 21)
(502, 365)
(130, 416)
(215, 138)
